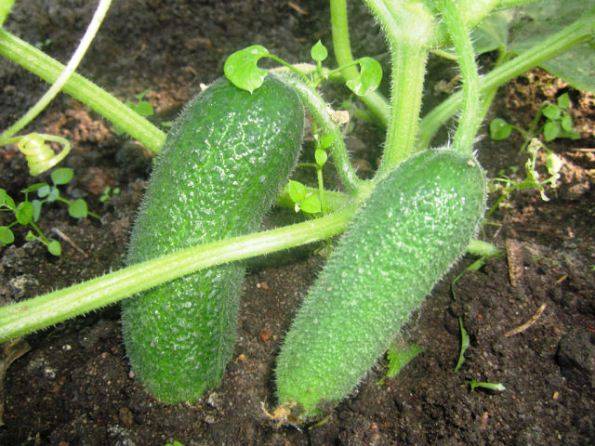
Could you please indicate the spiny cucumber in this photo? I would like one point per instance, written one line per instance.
(413, 227)
(223, 164)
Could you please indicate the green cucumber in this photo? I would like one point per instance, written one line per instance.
(222, 166)
(416, 223)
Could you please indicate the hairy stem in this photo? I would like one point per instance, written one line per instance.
(577, 32)
(70, 68)
(43, 311)
(319, 111)
(342, 48)
(40, 64)
(471, 116)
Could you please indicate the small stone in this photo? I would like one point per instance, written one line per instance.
(265, 335)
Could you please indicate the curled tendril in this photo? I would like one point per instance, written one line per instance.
(38, 153)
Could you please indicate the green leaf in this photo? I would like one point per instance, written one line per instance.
(44, 191)
(297, 191)
(319, 52)
(30, 236)
(6, 236)
(54, 194)
(399, 356)
(311, 204)
(54, 248)
(499, 129)
(496, 387)
(62, 175)
(326, 141)
(144, 108)
(534, 22)
(241, 68)
(24, 213)
(6, 200)
(36, 209)
(551, 111)
(464, 345)
(553, 164)
(566, 123)
(564, 101)
(492, 33)
(320, 156)
(369, 77)
(33, 188)
(78, 208)
(551, 130)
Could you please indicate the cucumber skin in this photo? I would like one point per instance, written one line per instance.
(414, 226)
(222, 166)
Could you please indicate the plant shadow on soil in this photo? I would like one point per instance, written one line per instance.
(75, 385)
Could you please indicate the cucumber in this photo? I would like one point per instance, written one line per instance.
(413, 227)
(222, 166)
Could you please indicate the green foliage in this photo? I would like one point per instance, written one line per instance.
(319, 53)
(242, 70)
(140, 106)
(108, 193)
(500, 129)
(225, 160)
(416, 223)
(27, 213)
(536, 21)
(399, 355)
(306, 201)
(465, 342)
(368, 79)
(494, 387)
(492, 33)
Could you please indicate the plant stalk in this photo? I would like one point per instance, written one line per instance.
(577, 32)
(471, 116)
(342, 49)
(96, 98)
(43, 311)
(5, 7)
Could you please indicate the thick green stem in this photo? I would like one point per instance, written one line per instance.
(577, 32)
(5, 7)
(408, 73)
(318, 108)
(471, 116)
(70, 68)
(48, 309)
(40, 64)
(342, 48)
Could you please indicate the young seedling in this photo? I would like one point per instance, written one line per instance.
(27, 213)
(494, 387)
(399, 355)
(465, 343)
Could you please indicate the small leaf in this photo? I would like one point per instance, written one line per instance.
(78, 208)
(499, 129)
(24, 213)
(320, 156)
(369, 77)
(572, 134)
(33, 188)
(43, 191)
(551, 111)
(564, 101)
(553, 164)
(144, 108)
(62, 175)
(551, 130)
(6, 200)
(319, 52)
(36, 209)
(464, 345)
(399, 356)
(30, 236)
(6, 236)
(566, 122)
(54, 248)
(297, 191)
(241, 68)
(311, 204)
(53, 195)
(326, 141)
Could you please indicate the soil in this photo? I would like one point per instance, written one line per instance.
(75, 386)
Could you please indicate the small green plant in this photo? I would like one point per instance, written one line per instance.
(494, 387)
(108, 192)
(398, 356)
(27, 213)
(465, 343)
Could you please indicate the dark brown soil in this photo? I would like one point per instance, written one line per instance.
(75, 386)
